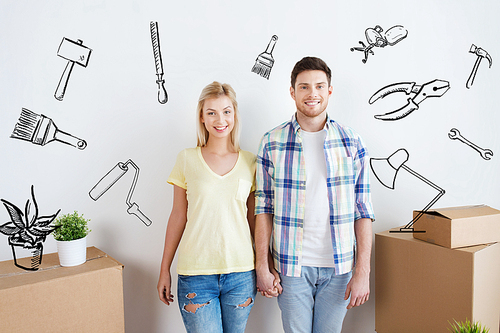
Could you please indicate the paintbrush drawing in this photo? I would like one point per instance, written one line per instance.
(155, 40)
(40, 130)
(75, 53)
(386, 171)
(265, 61)
(111, 178)
(435, 88)
(376, 37)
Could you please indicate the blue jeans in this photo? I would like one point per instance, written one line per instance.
(313, 302)
(216, 303)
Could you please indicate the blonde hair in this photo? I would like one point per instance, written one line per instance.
(215, 90)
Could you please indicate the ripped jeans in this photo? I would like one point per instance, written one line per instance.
(216, 303)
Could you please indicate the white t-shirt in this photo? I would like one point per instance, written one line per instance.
(317, 249)
(217, 237)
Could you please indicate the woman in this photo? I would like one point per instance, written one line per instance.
(212, 222)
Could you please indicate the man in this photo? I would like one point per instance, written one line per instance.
(313, 198)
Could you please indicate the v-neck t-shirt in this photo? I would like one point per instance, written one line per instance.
(216, 239)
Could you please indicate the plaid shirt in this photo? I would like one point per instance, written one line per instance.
(281, 191)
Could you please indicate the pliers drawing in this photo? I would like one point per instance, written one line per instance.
(436, 88)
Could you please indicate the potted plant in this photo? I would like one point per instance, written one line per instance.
(467, 327)
(27, 231)
(71, 237)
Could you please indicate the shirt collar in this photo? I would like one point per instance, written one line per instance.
(296, 125)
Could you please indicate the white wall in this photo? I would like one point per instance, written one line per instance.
(112, 105)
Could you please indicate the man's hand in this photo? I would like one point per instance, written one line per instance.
(358, 288)
(268, 283)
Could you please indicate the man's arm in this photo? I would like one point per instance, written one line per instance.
(267, 277)
(359, 286)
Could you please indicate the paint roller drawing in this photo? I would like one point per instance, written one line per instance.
(41, 130)
(111, 178)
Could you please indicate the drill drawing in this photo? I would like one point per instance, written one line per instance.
(376, 37)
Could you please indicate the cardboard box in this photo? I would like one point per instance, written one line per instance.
(420, 287)
(459, 226)
(84, 298)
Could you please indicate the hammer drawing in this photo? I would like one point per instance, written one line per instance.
(74, 52)
(481, 53)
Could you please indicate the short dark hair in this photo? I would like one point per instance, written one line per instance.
(310, 64)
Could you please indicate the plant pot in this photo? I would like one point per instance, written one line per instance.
(72, 253)
(34, 253)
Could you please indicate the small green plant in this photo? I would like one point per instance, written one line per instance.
(467, 327)
(70, 227)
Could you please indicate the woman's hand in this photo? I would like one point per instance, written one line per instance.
(164, 291)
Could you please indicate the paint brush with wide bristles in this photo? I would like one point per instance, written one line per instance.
(265, 60)
(41, 130)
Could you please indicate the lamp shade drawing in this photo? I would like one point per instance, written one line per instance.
(386, 171)
(111, 178)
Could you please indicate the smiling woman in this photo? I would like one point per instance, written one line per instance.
(212, 222)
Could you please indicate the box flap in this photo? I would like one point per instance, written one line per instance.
(12, 276)
(454, 213)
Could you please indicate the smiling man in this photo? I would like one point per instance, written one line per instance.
(313, 203)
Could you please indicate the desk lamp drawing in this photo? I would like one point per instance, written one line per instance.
(386, 171)
(111, 178)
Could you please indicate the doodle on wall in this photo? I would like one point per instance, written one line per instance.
(386, 171)
(27, 232)
(454, 134)
(265, 61)
(40, 130)
(111, 178)
(375, 38)
(481, 53)
(155, 40)
(75, 53)
(436, 88)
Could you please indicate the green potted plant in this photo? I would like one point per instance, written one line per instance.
(71, 238)
(27, 231)
(467, 327)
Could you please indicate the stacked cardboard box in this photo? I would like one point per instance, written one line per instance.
(85, 298)
(421, 287)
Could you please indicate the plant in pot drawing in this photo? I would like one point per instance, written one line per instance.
(27, 231)
(71, 237)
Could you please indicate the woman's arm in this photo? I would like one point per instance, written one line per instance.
(175, 229)
(251, 213)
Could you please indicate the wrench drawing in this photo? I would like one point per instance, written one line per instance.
(454, 134)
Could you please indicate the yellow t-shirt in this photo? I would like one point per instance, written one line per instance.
(217, 237)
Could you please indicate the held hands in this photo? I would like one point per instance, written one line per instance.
(164, 291)
(358, 288)
(268, 283)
